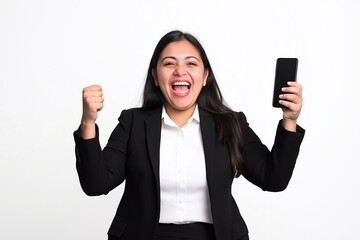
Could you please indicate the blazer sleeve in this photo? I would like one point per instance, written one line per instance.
(99, 170)
(270, 170)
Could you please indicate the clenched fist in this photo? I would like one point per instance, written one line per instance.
(93, 102)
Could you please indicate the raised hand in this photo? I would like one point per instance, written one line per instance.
(93, 102)
(292, 101)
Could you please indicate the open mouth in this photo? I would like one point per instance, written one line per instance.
(180, 87)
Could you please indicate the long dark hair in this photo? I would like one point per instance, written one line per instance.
(210, 99)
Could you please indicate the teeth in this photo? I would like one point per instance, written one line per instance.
(181, 84)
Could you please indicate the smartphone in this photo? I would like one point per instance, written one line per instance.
(286, 70)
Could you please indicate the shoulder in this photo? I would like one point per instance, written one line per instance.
(140, 112)
(241, 118)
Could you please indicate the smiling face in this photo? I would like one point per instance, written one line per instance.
(181, 75)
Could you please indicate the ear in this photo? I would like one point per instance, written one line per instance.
(153, 73)
(206, 74)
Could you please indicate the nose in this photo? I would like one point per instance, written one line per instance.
(179, 70)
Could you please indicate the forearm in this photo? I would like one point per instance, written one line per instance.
(90, 165)
(101, 170)
(271, 170)
(283, 158)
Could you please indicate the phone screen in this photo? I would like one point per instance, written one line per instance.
(286, 70)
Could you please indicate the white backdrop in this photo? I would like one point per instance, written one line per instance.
(50, 50)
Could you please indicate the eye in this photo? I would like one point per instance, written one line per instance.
(192, 63)
(168, 64)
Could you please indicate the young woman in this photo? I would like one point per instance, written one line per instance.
(179, 152)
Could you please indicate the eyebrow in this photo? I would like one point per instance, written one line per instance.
(174, 58)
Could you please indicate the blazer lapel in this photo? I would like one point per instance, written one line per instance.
(207, 126)
(153, 133)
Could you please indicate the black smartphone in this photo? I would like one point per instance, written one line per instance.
(286, 70)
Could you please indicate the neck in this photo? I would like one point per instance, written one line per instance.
(179, 117)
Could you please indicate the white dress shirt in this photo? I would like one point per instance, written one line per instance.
(184, 191)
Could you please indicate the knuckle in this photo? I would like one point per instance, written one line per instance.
(88, 100)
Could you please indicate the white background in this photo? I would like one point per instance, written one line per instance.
(50, 50)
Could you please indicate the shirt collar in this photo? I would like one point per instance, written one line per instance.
(167, 120)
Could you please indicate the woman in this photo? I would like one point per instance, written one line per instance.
(180, 152)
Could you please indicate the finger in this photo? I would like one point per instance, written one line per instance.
(92, 96)
(93, 100)
(94, 87)
(292, 90)
(94, 90)
(95, 93)
(98, 99)
(290, 97)
(293, 87)
(291, 106)
(285, 103)
(294, 84)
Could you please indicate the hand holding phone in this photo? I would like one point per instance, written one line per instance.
(286, 70)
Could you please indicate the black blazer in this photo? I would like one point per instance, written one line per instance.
(132, 154)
